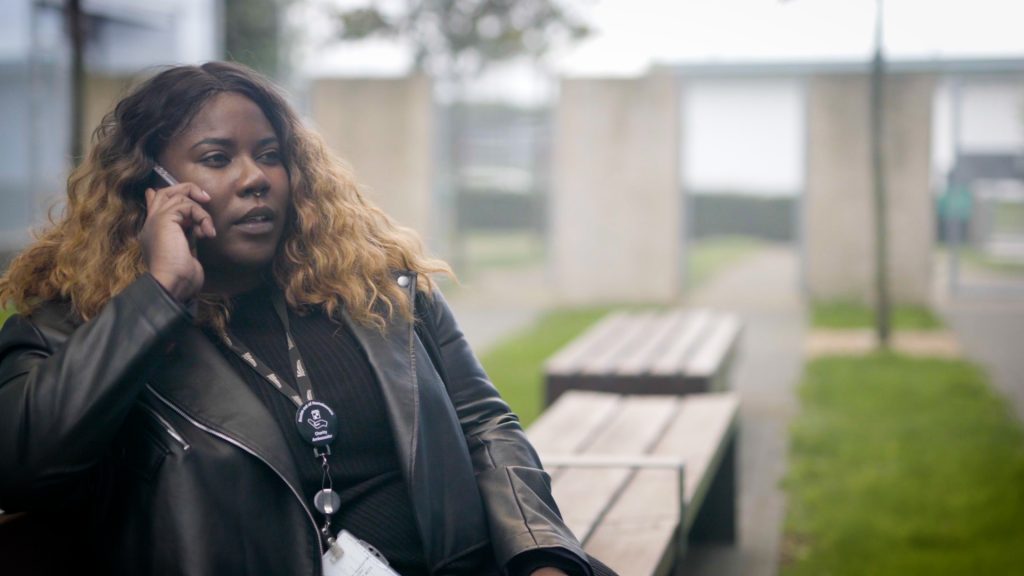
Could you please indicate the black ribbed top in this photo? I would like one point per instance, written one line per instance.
(375, 504)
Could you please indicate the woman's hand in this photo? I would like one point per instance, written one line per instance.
(548, 572)
(171, 214)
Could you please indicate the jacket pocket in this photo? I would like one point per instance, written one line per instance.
(164, 425)
(147, 440)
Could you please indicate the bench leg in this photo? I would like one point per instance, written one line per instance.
(716, 520)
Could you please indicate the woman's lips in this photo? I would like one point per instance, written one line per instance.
(255, 226)
(259, 220)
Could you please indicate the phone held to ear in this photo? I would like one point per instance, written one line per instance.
(169, 180)
(166, 177)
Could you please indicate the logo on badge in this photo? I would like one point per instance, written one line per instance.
(316, 423)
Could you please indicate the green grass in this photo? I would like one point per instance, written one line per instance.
(972, 257)
(1008, 216)
(709, 256)
(516, 364)
(848, 315)
(5, 313)
(903, 466)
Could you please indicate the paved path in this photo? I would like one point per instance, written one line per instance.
(493, 305)
(764, 289)
(990, 328)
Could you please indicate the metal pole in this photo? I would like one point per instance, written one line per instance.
(76, 32)
(954, 240)
(882, 310)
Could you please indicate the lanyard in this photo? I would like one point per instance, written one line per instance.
(305, 392)
(314, 420)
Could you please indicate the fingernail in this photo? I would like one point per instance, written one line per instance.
(205, 193)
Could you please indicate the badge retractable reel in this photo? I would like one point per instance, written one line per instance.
(317, 425)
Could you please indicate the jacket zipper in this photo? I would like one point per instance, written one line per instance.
(231, 440)
(167, 426)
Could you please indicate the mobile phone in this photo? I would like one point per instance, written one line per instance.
(164, 175)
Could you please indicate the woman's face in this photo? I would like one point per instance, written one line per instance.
(231, 151)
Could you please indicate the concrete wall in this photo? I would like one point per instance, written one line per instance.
(616, 210)
(383, 128)
(840, 249)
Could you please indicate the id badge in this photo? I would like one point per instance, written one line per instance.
(349, 556)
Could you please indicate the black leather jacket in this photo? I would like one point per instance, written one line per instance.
(136, 436)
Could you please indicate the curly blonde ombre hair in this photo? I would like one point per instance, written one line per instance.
(337, 250)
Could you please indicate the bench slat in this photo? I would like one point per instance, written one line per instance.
(583, 495)
(572, 421)
(592, 342)
(708, 358)
(662, 352)
(658, 339)
(629, 337)
(707, 416)
(636, 543)
(674, 358)
(638, 535)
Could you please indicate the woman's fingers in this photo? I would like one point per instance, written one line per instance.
(182, 208)
(173, 221)
(186, 189)
(200, 219)
(198, 194)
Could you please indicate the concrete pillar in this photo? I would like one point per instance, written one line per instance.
(383, 128)
(616, 208)
(839, 241)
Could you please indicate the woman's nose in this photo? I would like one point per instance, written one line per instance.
(252, 179)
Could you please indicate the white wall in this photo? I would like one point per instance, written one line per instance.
(743, 135)
(993, 116)
(992, 119)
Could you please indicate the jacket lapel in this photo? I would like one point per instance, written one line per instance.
(391, 354)
(209, 391)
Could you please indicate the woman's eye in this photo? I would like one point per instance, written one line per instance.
(271, 157)
(217, 159)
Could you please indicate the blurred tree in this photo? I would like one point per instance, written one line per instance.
(254, 34)
(453, 41)
(457, 38)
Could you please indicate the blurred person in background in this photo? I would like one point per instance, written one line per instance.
(217, 376)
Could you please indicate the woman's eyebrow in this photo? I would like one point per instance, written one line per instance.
(225, 142)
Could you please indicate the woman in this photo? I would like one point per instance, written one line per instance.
(320, 384)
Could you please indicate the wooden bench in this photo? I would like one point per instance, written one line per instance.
(673, 352)
(637, 477)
